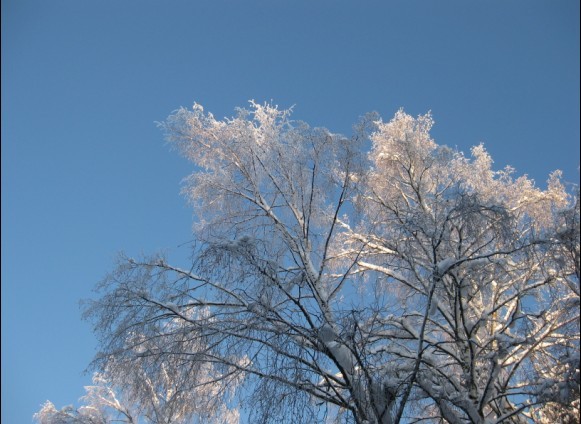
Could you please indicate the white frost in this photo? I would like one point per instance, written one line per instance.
(444, 265)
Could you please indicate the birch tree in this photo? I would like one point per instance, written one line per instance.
(124, 393)
(141, 390)
(380, 278)
(101, 405)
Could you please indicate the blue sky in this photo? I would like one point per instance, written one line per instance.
(86, 174)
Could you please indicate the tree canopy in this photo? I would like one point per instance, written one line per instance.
(377, 278)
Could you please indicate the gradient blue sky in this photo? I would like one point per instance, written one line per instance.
(86, 174)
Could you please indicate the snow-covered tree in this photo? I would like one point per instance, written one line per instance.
(101, 405)
(131, 393)
(380, 278)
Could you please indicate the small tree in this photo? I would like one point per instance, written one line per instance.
(101, 406)
(139, 391)
(373, 279)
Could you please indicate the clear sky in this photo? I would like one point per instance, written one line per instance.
(86, 174)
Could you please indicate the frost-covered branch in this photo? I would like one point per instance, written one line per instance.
(380, 278)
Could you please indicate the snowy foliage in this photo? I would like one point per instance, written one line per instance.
(134, 391)
(329, 283)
